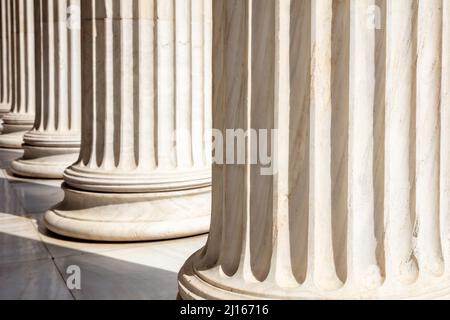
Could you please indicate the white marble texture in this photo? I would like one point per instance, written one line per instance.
(21, 116)
(359, 206)
(53, 143)
(144, 171)
(33, 261)
(5, 60)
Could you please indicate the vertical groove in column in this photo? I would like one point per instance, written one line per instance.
(49, 76)
(89, 69)
(236, 104)
(211, 253)
(400, 264)
(166, 84)
(281, 266)
(321, 257)
(340, 44)
(428, 248)
(14, 49)
(125, 22)
(74, 70)
(259, 223)
(363, 268)
(5, 56)
(207, 68)
(147, 94)
(183, 81)
(62, 46)
(444, 187)
(40, 43)
(198, 82)
(108, 39)
(30, 58)
(20, 107)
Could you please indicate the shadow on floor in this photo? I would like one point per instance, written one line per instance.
(30, 270)
(32, 273)
(9, 155)
(28, 197)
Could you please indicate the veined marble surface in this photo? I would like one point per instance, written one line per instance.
(33, 261)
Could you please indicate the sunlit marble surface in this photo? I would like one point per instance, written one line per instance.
(33, 261)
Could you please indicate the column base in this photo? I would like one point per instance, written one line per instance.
(116, 217)
(213, 284)
(46, 155)
(14, 128)
(44, 162)
(4, 110)
(12, 136)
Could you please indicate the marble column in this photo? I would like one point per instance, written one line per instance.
(144, 171)
(358, 206)
(21, 116)
(5, 59)
(54, 142)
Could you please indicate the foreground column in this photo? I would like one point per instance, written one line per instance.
(359, 204)
(21, 117)
(5, 59)
(53, 144)
(143, 172)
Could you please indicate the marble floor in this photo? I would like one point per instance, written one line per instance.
(34, 262)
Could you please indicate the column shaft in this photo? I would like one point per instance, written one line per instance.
(145, 119)
(21, 117)
(356, 206)
(5, 58)
(53, 143)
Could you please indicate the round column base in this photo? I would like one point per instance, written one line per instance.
(44, 162)
(214, 284)
(116, 217)
(5, 108)
(12, 136)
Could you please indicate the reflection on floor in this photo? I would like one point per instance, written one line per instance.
(34, 262)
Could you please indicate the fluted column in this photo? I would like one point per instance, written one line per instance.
(358, 206)
(143, 171)
(53, 143)
(21, 116)
(5, 59)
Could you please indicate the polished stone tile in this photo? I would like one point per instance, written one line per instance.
(147, 272)
(9, 203)
(36, 198)
(105, 278)
(20, 242)
(32, 280)
(7, 156)
(166, 255)
(144, 270)
(60, 246)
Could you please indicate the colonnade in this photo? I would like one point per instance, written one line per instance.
(116, 97)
